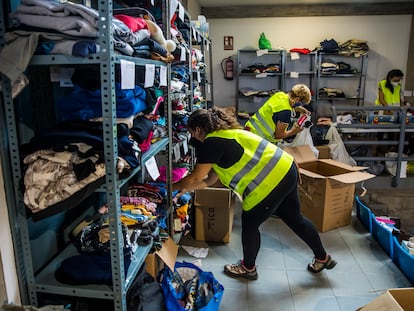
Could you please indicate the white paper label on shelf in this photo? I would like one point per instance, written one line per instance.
(65, 77)
(294, 55)
(208, 89)
(163, 76)
(127, 75)
(177, 153)
(408, 93)
(261, 75)
(257, 100)
(177, 225)
(294, 74)
(261, 52)
(54, 73)
(152, 168)
(62, 75)
(198, 76)
(207, 46)
(149, 75)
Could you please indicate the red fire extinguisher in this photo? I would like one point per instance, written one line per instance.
(227, 67)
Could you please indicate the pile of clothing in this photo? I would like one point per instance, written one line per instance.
(354, 47)
(329, 67)
(331, 92)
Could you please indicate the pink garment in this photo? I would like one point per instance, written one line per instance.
(177, 173)
(146, 144)
(133, 23)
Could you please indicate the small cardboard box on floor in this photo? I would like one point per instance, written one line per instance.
(167, 255)
(214, 212)
(397, 299)
(327, 189)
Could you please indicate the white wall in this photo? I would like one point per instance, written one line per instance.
(193, 9)
(387, 36)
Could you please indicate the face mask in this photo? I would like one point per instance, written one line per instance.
(394, 84)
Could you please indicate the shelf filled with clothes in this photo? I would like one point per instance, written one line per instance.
(75, 110)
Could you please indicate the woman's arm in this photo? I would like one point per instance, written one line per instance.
(201, 177)
(281, 132)
(381, 98)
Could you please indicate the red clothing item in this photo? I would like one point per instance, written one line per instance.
(301, 51)
(133, 23)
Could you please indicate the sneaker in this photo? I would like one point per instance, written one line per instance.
(239, 270)
(317, 265)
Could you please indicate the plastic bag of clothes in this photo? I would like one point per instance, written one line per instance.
(190, 288)
(264, 43)
(338, 150)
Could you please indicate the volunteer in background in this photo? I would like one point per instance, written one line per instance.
(389, 94)
(262, 174)
(389, 90)
(273, 120)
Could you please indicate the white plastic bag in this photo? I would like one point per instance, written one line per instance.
(338, 150)
(391, 166)
(303, 138)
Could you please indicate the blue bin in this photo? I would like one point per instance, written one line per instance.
(364, 214)
(403, 260)
(383, 234)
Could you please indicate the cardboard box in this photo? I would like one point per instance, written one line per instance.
(214, 211)
(327, 188)
(398, 299)
(167, 255)
(324, 152)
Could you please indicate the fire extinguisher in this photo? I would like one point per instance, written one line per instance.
(227, 67)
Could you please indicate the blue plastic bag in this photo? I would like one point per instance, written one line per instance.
(201, 293)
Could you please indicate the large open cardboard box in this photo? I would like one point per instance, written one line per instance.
(397, 299)
(327, 189)
(214, 212)
(167, 255)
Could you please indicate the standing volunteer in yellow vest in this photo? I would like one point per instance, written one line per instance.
(389, 90)
(262, 174)
(273, 119)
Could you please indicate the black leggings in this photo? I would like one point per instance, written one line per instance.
(284, 199)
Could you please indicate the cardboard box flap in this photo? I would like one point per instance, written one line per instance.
(212, 196)
(302, 154)
(343, 165)
(168, 253)
(399, 299)
(352, 177)
(310, 173)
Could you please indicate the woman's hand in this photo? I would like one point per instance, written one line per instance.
(296, 129)
(302, 109)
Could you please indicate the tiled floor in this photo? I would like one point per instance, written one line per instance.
(363, 272)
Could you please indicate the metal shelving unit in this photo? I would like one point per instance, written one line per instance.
(32, 283)
(301, 69)
(267, 81)
(352, 84)
(401, 128)
(204, 77)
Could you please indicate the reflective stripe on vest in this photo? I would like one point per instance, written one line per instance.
(392, 99)
(261, 123)
(259, 170)
(270, 132)
(251, 164)
(263, 174)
